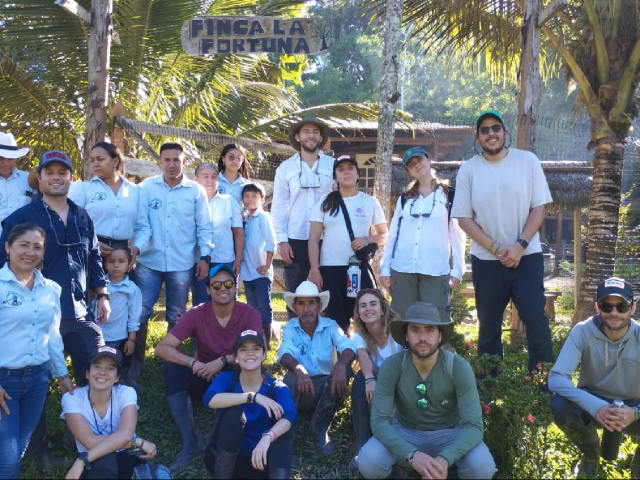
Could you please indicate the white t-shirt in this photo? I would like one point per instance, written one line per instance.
(121, 396)
(499, 196)
(364, 212)
(389, 349)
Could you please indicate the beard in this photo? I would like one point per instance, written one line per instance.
(624, 323)
(493, 151)
(426, 354)
(309, 150)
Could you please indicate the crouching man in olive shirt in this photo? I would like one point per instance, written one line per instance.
(438, 420)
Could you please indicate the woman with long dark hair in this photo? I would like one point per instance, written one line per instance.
(234, 171)
(423, 239)
(330, 262)
(253, 436)
(31, 344)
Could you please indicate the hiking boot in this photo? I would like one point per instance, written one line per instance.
(586, 467)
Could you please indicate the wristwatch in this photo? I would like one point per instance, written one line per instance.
(84, 457)
(523, 242)
(207, 258)
(103, 295)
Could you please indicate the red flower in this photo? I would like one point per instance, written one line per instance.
(545, 372)
(486, 409)
(539, 366)
(528, 378)
(531, 418)
(469, 344)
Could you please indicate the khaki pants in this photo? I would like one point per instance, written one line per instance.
(409, 288)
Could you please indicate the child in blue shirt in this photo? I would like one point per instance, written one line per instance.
(256, 270)
(119, 331)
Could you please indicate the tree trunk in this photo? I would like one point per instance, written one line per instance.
(604, 213)
(559, 251)
(98, 66)
(530, 92)
(389, 96)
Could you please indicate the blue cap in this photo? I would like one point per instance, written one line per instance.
(221, 266)
(51, 156)
(413, 152)
(488, 114)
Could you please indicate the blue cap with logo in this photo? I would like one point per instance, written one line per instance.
(615, 287)
(52, 156)
(249, 335)
(413, 152)
(221, 267)
(488, 114)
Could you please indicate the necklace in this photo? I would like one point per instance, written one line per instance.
(103, 431)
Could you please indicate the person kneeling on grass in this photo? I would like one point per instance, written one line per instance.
(253, 436)
(102, 417)
(437, 420)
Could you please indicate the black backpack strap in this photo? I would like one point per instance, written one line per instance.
(451, 194)
(347, 220)
(234, 380)
(403, 200)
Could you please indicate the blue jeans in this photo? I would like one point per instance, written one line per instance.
(258, 293)
(199, 287)
(27, 388)
(177, 291)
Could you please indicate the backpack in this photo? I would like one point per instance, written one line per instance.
(451, 193)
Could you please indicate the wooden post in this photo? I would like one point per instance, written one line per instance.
(98, 68)
(117, 132)
(577, 253)
(556, 269)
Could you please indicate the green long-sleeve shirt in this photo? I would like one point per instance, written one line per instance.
(453, 403)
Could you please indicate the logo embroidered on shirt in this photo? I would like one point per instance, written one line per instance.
(156, 203)
(360, 212)
(303, 348)
(14, 299)
(445, 402)
(221, 190)
(99, 196)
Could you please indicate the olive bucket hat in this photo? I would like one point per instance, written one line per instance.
(424, 314)
(295, 128)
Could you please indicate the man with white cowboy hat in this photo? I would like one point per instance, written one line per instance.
(437, 420)
(15, 191)
(318, 355)
(300, 181)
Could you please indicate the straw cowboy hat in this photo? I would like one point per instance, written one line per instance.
(9, 147)
(306, 289)
(424, 314)
(295, 128)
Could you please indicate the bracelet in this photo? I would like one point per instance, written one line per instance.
(275, 435)
(369, 380)
(224, 360)
(637, 412)
(251, 397)
(491, 246)
(141, 443)
(498, 245)
(410, 459)
(191, 362)
(62, 377)
(133, 441)
(314, 270)
(131, 339)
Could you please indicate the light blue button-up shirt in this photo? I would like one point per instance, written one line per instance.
(234, 189)
(126, 308)
(170, 223)
(319, 354)
(226, 214)
(15, 192)
(259, 238)
(30, 323)
(113, 215)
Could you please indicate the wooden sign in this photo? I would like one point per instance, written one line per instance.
(207, 35)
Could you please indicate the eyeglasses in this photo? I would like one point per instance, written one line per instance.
(313, 182)
(55, 234)
(496, 127)
(421, 388)
(425, 215)
(608, 307)
(228, 284)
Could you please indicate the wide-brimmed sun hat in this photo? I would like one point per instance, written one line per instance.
(9, 147)
(424, 314)
(306, 289)
(295, 128)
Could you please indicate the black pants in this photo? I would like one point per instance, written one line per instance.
(114, 465)
(494, 285)
(180, 378)
(340, 308)
(228, 434)
(297, 271)
(80, 337)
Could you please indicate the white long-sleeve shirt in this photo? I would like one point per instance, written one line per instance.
(425, 244)
(292, 203)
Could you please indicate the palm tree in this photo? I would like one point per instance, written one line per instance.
(599, 43)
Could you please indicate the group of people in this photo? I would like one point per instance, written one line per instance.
(414, 402)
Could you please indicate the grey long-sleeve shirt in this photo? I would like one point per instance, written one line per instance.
(607, 368)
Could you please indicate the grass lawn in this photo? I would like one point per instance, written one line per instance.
(518, 427)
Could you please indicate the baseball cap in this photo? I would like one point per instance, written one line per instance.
(223, 267)
(250, 335)
(54, 156)
(488, 114)
(342, 159)
(106, 351)
(413, 152)
(615, 287)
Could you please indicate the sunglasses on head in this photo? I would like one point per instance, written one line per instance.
(496, 127)
(228, 284)
(421, 388)
(608, 307)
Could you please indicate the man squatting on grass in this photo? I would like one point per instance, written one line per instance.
(606, 346)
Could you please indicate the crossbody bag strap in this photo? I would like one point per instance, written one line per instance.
(347, 220)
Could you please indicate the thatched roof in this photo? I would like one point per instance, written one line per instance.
(569, 181)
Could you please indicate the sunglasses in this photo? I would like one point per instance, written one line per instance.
(608, 307)
(228, 284)
(421, 388)
(425, 215)
(496, 127)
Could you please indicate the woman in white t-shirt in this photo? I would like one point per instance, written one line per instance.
(423, 238)
(330, 262)
(372, 337)
(102, 417)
